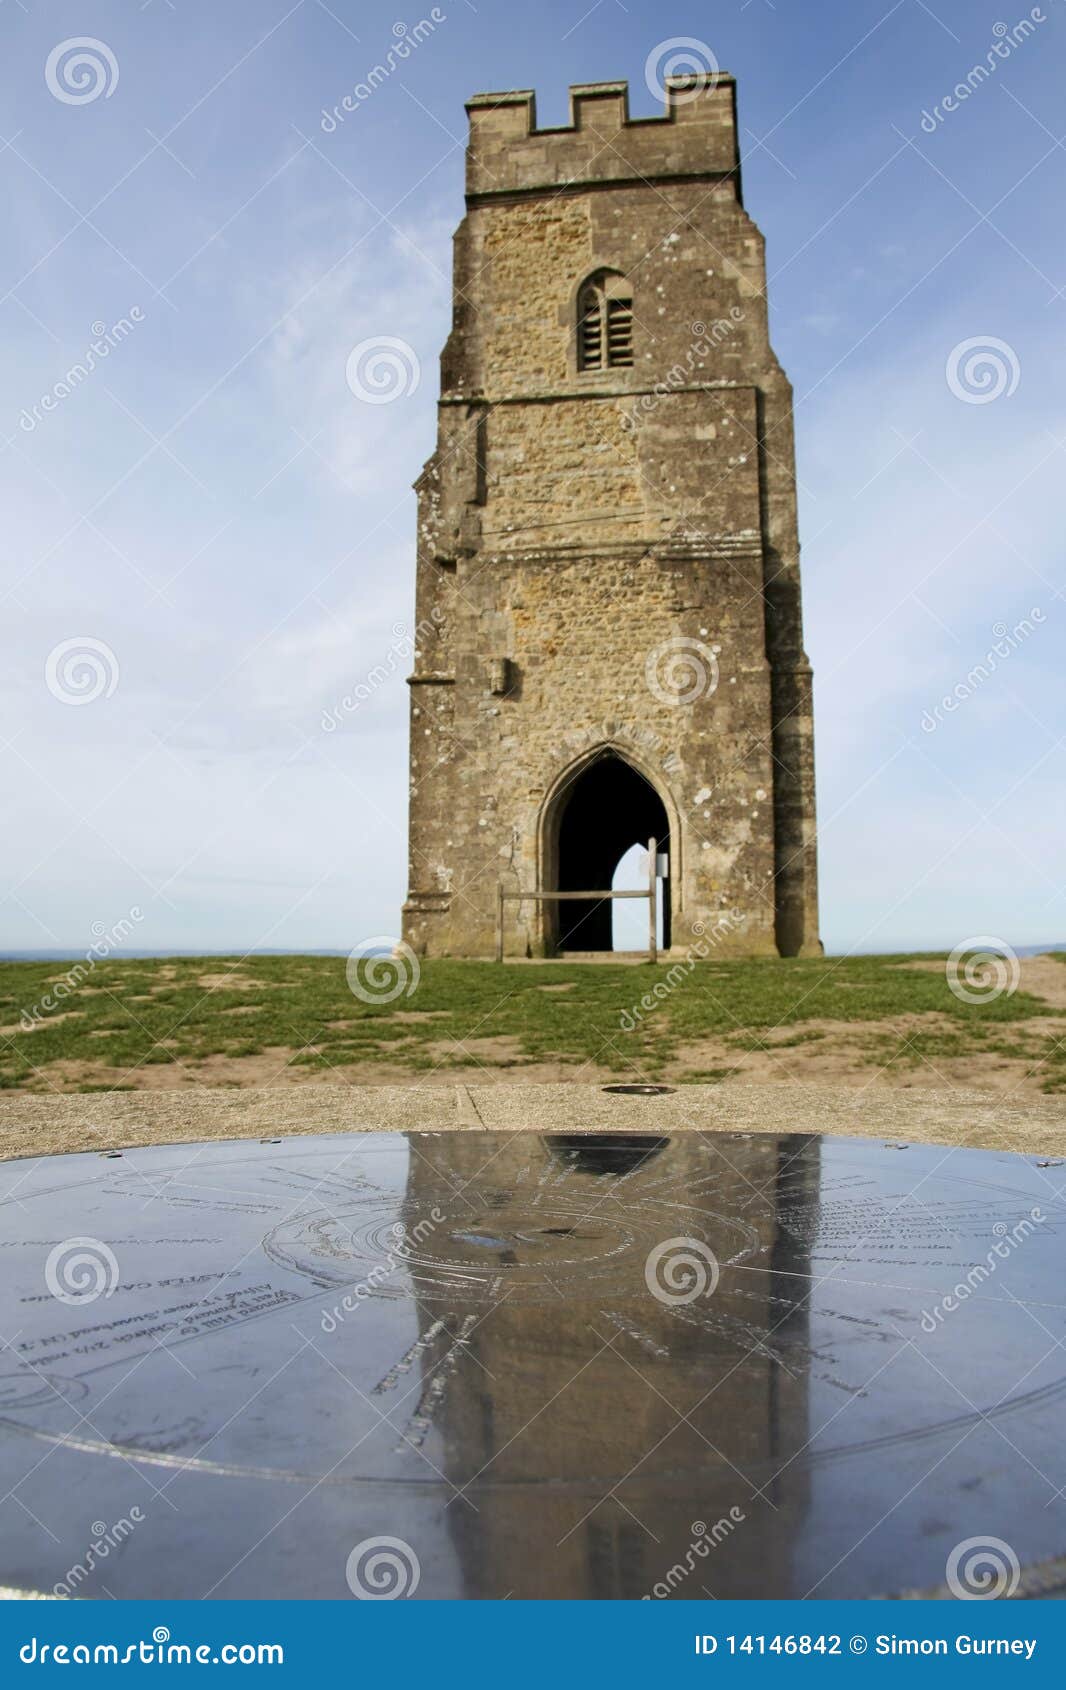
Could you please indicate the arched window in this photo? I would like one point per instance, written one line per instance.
(605, 322)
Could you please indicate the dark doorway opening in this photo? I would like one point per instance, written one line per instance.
(603, 812)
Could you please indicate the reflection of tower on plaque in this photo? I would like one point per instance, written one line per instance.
(581, 1397)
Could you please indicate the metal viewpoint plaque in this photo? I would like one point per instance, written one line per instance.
(480, 1365)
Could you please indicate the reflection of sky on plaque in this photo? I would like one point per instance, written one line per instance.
(895, 1258)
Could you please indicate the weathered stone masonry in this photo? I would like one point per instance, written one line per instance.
(589, 537)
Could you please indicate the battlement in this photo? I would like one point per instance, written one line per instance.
(694, 138)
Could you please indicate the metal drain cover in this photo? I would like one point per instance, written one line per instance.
(640, 1091)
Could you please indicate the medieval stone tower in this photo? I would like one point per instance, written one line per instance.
(609, 641)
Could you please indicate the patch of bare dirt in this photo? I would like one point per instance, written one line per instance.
(846, 1055)
(267, 1067)
(497, 1051)
(39, 1026)
(1045, 978)
(1042, 976)
(275, 1067)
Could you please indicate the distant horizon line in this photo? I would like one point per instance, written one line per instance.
(76, 953)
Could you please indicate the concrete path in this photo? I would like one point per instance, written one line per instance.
(31, 1125)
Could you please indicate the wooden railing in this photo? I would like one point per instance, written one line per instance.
(504, 897)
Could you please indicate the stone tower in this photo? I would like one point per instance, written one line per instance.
(609, 640)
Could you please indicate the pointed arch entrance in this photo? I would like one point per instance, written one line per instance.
(598, 811)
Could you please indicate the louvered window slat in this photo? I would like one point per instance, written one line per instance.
(619, 332)
(605, 326)
(591, 336)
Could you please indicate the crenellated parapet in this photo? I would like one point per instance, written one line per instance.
(694, 139)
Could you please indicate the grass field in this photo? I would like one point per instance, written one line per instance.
(127, 1025)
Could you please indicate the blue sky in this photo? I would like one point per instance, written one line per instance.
(216, 508)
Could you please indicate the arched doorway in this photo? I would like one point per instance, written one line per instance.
(602, 810)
